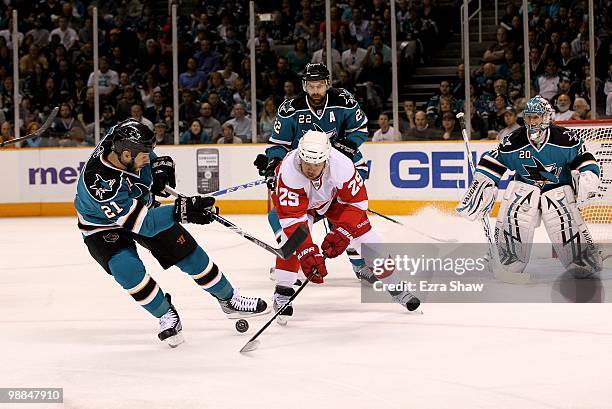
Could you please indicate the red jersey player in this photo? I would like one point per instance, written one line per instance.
(316, 179)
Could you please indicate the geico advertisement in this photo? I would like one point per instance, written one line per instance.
(399, 171)
(422, 171)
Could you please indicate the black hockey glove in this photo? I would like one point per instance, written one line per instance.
(162, 169)
(261, 163)
(348, 148)
(195, 209)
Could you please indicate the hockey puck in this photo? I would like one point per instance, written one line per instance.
(242, 326)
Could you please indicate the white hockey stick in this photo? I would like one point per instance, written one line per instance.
(512, 278)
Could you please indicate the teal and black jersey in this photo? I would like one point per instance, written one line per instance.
(111, 198)
(341, 117)
(548, 167)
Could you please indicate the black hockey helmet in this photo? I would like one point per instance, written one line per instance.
(133, 136)
(315, 72)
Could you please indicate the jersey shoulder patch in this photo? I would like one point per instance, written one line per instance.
(290, 106)
(564, 137)
(514, 140)
(101, 182)
(341, 98)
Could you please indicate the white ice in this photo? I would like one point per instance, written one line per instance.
(65, 323)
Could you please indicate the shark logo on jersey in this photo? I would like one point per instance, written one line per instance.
(348, 97)
(286, 107)
(542, 174)
(572, 136)
(330, 134)
(139, 191)
(506, 140)
(102, 186)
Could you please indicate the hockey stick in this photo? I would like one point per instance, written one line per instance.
(36, 133)
(238, 187)
(253, 343)
(512, 278)
(285, 251)
(392, 220)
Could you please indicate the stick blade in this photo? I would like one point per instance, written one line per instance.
(250, 346)
(294, 242)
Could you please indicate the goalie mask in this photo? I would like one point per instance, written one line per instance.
(537, 115)
(315, 82)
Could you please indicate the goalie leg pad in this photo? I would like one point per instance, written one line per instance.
(518, 217)
(479, 198)
(568, 233)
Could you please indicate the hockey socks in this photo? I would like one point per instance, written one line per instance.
(129, 272)
(206, 274)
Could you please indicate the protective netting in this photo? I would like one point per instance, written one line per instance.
(597, 212)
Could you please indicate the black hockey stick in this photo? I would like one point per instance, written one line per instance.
(392, 220)
(253, 343)
(285, 251)
(36, 133)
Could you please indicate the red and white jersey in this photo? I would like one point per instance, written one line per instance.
(340, 185)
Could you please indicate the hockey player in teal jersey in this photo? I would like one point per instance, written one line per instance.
(334, 111)
(116, 208)
(554, 175)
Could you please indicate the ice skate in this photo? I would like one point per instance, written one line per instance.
(239, 306)
(280, 298)
(170, 326)
(365, 273)
(407, 299)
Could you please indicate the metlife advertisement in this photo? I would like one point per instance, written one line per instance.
(409, 172)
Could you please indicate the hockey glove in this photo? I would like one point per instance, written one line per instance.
(261, 163)
(336, 242)
(479, 198)
(312, 262)
(195, 209)
(162, 169)
(587, 186)
(347, 147)
(269, 173)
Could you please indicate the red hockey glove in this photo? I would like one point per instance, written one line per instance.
(336, 242)
(312, 262)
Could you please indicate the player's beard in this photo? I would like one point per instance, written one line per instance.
(316, 100)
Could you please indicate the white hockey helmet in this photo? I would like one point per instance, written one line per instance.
(314, 147)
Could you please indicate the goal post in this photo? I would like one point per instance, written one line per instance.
(597, 213)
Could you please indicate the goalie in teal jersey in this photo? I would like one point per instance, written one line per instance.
(333, 111)
(554, 174)
(116, 209)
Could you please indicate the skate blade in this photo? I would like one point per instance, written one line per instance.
(282, 320)
(250, 346)
(175, 340)
(245, 315)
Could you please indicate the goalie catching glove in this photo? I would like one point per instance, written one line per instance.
(587, 185)
(312, 262)
(479, 198)
(162, 169)
(195, 209)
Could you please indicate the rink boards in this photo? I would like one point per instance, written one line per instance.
(405, 177)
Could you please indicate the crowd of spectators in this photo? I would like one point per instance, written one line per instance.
(559, 71)
(135, 76)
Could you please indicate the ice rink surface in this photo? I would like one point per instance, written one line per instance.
(66, 323)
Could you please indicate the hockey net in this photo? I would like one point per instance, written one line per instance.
(597, 213)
